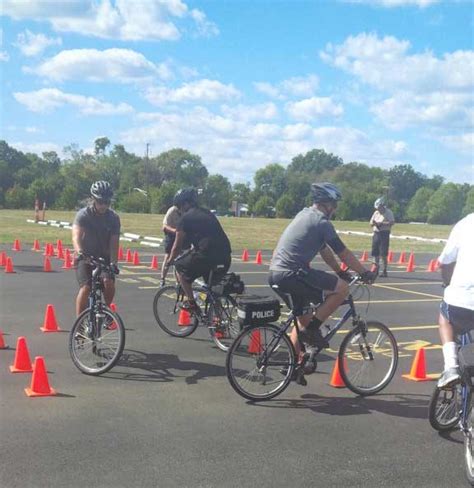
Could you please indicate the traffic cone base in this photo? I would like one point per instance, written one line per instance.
(418, 368)
(39, 381)
(336, 378)
(50, 323)
(22, 361)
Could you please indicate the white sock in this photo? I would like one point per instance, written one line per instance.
(450, 355)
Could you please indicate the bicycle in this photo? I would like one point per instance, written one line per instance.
(451, 408)
(262, 361)
(217, 308)
(97, 338)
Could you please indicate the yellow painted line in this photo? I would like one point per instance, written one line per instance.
(150, 280)
(408, 291)
(412, 283)
(128, 280)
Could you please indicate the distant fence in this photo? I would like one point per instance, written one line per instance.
(392, 236)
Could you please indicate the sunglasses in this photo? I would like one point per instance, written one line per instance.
(102, 202)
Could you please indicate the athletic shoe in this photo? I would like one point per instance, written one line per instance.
(450, 377)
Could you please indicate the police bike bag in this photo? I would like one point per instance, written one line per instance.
(257, 310)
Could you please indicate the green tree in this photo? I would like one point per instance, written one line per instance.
(241, 192)
(217, 193)
(271, 180)
(162, 198)
(285, 207)
(17, 197)
(134, 202)
(445, 205)
(100, 145)
(404, 181)
(314, 162)
(469, 203)
(418, 208)
(69, 197)
(264, 207)
(178, 165)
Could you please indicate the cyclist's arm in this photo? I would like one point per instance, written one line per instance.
(348, 257)
(447, 272)
(77, 238)
(178, 245)
(329, 259)
(169, 229)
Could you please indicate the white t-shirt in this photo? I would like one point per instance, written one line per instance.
(385, 220)
(460, 249)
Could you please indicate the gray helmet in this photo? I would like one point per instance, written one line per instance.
(325, 192)
(380, 202)
(101, 190)
(184, 195)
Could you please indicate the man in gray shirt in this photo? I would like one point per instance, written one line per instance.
(311, 232)
(96, 232)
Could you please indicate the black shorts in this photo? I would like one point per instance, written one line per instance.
(303, 290)
(380, 243)
(169, 241)
(84, 274)
(461, 319)
(193, 265)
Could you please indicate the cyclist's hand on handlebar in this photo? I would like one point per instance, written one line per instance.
(114, 268)
(368, 277)
(344, 275)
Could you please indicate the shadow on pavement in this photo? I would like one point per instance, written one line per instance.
(161, 368)
(407, 406)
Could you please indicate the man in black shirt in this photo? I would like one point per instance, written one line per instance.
(211, 246)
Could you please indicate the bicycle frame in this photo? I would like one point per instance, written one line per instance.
(96, 302)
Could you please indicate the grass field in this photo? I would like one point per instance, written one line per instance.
(243, 233)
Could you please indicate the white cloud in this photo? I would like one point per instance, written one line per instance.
(197, 91)
(299, 86)
(111, 65)
(463, 143)
(48, 99)
(36, 147)
(33, 44)
(119, 19)
(4, 56)
(396, 3)
(237, 146)
(313, 108)
(34, 130)
(263, 111)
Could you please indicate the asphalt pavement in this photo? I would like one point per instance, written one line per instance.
(166, 416)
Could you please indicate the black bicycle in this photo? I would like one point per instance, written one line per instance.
(217, 308)
(451, 408)
(97, 338)
(262, 361)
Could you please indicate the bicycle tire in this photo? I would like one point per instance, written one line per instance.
(469, 442)
(444, 417)
(228, 322)
(167, 318)
(78, 341)
(283, 363)
(348, 352)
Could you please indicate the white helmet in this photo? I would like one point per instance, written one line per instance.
(380, 202)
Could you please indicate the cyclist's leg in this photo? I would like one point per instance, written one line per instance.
(376, 247)
(384, 245)
(109, 290)
(189, 267)
(169, 241)
(84, 276)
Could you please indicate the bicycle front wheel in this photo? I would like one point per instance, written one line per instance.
(368, 358)
(444, 408)
(96, 347)
(169, 315)
(260, 362)
(223, 322)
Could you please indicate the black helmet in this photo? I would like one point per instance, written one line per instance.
(101, 190)
(184, 195)
(325, 192)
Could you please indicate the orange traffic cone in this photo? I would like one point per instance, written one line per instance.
(60, 253)
(344, 267)
(364, 257)
(411, 263)
(245, 255)
(2, 341)
(39, 380)
(50, 250)
(431, 266)
(67, 260)
(402, 259)
(154, 262)
(184, 318)
(129, 257)
(390, 257)
(255, 344)
(258, 257)
(120, 254)
(59, 247)
(47, 265)
(336, 378)
(9, 266)
(36, 245)
(136, 258)
(50, 323)
(22, 362)
(16, 245)
(418, 368)
(3, 258)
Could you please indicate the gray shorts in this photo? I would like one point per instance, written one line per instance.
(461, 319)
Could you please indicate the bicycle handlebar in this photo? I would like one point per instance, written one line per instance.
(102, 263)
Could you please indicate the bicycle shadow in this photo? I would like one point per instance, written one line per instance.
(161, 368)
(398, 405)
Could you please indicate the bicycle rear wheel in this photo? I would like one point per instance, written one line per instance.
(444, 408)
(96, 348)
(260, 362)
(224, 322)
(368, 358)
(469, 442)
(169, 315)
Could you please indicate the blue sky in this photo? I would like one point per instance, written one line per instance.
(244, 83)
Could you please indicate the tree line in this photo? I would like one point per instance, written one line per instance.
(148, 185)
